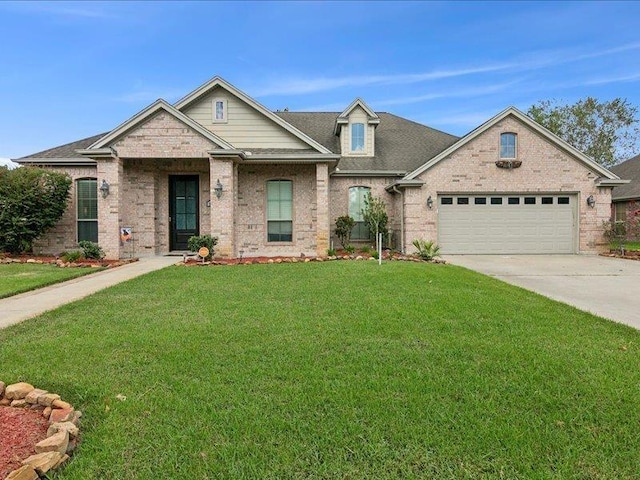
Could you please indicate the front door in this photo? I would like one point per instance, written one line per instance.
(183, 210)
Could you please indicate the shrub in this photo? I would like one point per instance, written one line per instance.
(331, 252)
(375, 216)
(349, 249)
(72, 256)
(91, 250)
(344, 226)
(426, 249)
(196, 242)
(366, 250)
(32, 200)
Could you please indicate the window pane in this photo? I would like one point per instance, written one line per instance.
(219, 110)
(357, 137)
(87, 209)
(279, 231)
(563, 200)
(496, 201)
(508, 145)
(463, 200)
(514, 201)
(360, 232)
(547, 200)
(446, 201)
(480, 201)
(529, 200)
(88, 230)
(357, 198)
(279, 211)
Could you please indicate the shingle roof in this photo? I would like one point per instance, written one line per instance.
(629, 170)
(400, 144)
(66, 151)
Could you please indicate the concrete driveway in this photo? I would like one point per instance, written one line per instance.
(608, 287)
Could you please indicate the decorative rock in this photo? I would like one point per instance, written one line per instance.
(46, 413)
(43, 462)
(5, 402)
(2, 385)
(71, 446)
(18, 391)
(31, 260)
(22, 403)
(61, 415)
(60, 404)
(64, 458)
(32, 396)
(63, 426)
(48, 398)
(55, 443)
(26, 472)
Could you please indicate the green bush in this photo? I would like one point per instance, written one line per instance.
(32, 200)
(72, 256)
(195, 243)
(344, 226)
(349, 249)
(91, 250)
(331, 252)
(426, 249)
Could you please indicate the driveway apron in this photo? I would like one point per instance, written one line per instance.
(607, 287)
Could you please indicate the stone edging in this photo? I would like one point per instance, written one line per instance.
(80, 263)
(62, 435)
(264, 260)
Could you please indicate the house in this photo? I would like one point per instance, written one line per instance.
(272, 183)
(626, 198)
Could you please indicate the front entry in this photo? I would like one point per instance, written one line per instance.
(183, 210)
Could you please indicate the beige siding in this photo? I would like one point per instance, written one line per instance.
(358, 115)
(245, 126)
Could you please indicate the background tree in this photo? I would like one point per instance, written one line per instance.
(605, 131)
(32, 200)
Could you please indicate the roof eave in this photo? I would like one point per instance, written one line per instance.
(61, 162)
(404, 184)
(368, 173)
(611, 182)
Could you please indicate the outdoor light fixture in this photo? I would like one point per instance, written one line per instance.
(104, 188)
(591, 201)
(218, 189)
(430, 202)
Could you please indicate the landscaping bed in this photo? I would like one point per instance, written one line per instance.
(51, 260)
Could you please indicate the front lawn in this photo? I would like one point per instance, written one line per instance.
(21, 277)
(335, 370)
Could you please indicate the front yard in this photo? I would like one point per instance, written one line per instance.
(21, 277)
(335, 370)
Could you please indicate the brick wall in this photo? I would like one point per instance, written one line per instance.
(545, 168)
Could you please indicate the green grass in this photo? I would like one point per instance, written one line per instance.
(22, 277)
(335, 370)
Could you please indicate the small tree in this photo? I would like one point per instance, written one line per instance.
(375, 216)
(32, 200)
(196, 242)
(344, 226)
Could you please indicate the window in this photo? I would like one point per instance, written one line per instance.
(529, 200)
(547, 200)
(463, 200)
(480, 201)
(279, 211)
(357, 197)
(563, 200)
(87, 207)
(514, 201)
(219, 110)
(357, 137)
(496, 200)
(508, 145)
(620, 211)
(446, 201)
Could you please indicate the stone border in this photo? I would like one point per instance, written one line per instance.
(62, 264)
(264, 260)
(63, 434)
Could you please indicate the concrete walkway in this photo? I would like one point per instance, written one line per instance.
(30, 304)
(608, 287)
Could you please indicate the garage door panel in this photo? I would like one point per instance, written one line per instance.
(528, 226)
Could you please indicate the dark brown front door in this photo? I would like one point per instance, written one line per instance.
(183, 210)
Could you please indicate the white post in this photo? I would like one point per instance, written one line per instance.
(379, 249)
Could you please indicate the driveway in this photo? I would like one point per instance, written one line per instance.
(608, 287)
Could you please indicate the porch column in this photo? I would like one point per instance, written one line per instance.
(323, 232)
(222, 209)
(110, 207)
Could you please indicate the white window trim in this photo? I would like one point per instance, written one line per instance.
(364, 139)
(515, 146)
(225, 111)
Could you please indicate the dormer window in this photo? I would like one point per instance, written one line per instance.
(357, 137)
(219, 110)
(508, 145)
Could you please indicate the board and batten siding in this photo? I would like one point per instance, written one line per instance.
(245, 126)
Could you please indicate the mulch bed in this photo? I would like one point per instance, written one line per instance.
(42, 259)
(20, 430)
(628, 255)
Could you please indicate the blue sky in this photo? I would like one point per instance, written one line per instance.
(74, 69)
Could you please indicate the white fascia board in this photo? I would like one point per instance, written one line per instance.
(362, 104)
(146, 113)
(219, 82)
(107, 152)
(611, 182)
(367, 173)
(527, 121)
(67, 162)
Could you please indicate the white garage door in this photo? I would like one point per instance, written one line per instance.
(507, 223)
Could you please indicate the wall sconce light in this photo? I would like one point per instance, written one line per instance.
(591, 201)
(104, 189)
(218, 189)
(430, 202)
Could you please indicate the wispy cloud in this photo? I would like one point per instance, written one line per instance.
(634, 77)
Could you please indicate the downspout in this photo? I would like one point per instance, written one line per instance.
(394, 189)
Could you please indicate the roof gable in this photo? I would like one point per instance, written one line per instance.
(343, 118)
(512, 111)
(144, 115)
(218, 82)
(629, 169)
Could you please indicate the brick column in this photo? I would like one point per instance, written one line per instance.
(419, 221)
(109, 208)
(223, 209)
(323, 231)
